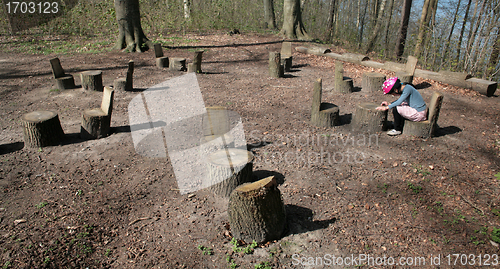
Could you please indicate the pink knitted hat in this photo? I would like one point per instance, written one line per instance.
(387, 86)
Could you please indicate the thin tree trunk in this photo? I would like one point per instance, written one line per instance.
(387, 27)
(472, 37)
(422, 28)
(448, 40)
(269, 18)
(187, 9)
(461, 37)
(331, 20)
(495, 53)
(403, 29)
(376, 30)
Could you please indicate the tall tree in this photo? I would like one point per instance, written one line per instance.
(292, 20)
(269, 18)
(448, 40)
(388, 26)
(423, 27)
(495, 53)
(130, 35)
(332, 20)
(187, 9)
(378, 23)
(462, 31)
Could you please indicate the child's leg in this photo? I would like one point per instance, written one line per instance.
(398, 120)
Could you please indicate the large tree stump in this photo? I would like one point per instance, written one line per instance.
(426, 128)
(342, 84)
(257, 212)
(323, 114)
(41, 128)
(197, 60)
(92, 80)
(63, 81)
(368, 119)
(275, 67)
(177, 64)
(96, 122)
(372, 82)
(229, 168)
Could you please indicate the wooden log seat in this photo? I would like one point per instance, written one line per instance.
(126, 83)
(257, 212)
(372, 82)
(323, 114)
(426, 129)
(368, 119)
(96, 122)
(342, 84)
(41, 129)
(227, 169)
(92, 80)
(161, 61)
(177, 64)
(275, 67)
(63, 81)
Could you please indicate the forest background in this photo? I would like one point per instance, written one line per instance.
(455, 35)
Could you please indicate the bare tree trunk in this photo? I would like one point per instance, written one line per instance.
(131, 36)
(448, 40)
(466, 17)
(422, 28)
(387, 27)
(331, 25)
(472, 36)
(376, 30)
(361, 22)
(403, 28)
(495, 53)
(187, 9)
(269, 18)
(293, 27)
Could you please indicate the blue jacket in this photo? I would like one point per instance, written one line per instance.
(411, 96)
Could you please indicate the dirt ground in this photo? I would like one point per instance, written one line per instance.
(99, 204)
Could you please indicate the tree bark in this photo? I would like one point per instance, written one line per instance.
(293, 27)
(422, 28)
(269, 18)
(41, 128)
(368, 119)
(257, 212)
(448, 40)
(229, 168)
(403, 29)
(131, 37)
(376, 28)
(462, 30)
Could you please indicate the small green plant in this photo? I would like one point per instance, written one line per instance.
(384, 187)
(497, 175)
(107, 253)
(55, 90)
(415, 188)
(263, 265)
(6, 265)
(205, 250)
(79, 193)
(41, 205)
(46, 260)
(236, 245)
(433, 241)
(495, 235)
(231, 262)
(249, 249)
(446, 240)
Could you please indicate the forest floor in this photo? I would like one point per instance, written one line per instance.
(99, 204)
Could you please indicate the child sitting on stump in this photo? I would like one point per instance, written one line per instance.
(410, 105)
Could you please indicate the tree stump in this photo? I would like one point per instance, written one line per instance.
(372, 82)
(125, 84)
(342, 84)
(63, 80)
(228, 169)
(161, 61)
(323, 114)
(368, 119)
(286, 62)
(197, 60)
(96, 122)
(275, 67)
(177, 64)
(120, 84)
(404, 77)
(92, 80)
(485, 87)
(257, 212)
(41, 128)
(190, 68)
(426, 128)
